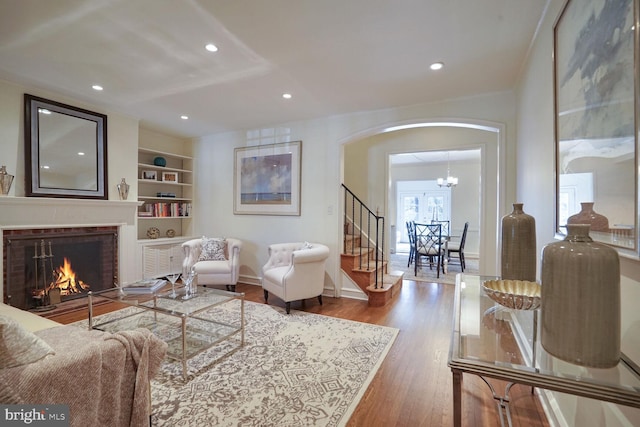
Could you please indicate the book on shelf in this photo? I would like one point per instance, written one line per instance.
(165, 209)
(143, 286)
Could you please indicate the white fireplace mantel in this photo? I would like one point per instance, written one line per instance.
(34, 212)
(48, 212)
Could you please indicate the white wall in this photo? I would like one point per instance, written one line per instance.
(369, 183)
(465, 198)
(323, 141)
(149, 138)
(322, 175)
(526, 154)
(122, 139)
(122, 149)
(536, 189)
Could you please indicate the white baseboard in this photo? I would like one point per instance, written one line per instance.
(350, 289)
(353, 294)
(550, 408)
(546, 397)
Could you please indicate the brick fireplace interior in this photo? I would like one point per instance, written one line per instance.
(72, 261)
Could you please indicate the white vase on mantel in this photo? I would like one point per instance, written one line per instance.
(123, 189)
(5, 181)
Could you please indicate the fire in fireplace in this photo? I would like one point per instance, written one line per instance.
(65, 280)
(63, 284)
(61, 263)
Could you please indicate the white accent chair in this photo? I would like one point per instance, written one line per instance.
(295, 271)
(222, 272)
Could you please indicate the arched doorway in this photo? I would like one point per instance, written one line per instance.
(366, 169)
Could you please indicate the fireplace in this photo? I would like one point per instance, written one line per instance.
(46, 266)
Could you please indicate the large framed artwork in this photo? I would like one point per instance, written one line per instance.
(267, 179)
(595, 84)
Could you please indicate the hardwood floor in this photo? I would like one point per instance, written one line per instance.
(414, 385)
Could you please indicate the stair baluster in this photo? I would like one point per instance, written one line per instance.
(374, 244)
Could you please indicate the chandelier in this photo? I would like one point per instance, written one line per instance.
(450, 181)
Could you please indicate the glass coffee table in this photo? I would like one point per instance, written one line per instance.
(189, 326)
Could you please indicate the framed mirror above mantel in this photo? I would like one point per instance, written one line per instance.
(65, 150)
(596, 120)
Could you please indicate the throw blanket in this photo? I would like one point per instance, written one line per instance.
(103, 377)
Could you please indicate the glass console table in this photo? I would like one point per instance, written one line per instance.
(188, 326)
(479, 326)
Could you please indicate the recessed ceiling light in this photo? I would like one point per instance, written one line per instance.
(436, 65)
(286, 95)
(80, 153)
(211, 47)
(184, 117)
(97, 87)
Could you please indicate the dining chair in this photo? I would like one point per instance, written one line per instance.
(446, 226)
(458, 247)
(412, 242)
(428, 238)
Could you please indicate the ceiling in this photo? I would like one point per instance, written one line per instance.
(332, 56)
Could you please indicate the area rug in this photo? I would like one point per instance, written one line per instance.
(300, 369)
(425, 274)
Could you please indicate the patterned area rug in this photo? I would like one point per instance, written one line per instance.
(300, 369)
(425, 274)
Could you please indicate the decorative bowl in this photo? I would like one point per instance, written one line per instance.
(518, 294)
(153, 233)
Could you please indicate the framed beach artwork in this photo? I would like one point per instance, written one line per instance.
(267, 179)
(595, 85)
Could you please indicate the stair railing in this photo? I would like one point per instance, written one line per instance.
(360, 223)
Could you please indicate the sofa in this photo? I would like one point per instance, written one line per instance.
(104, 378)
(216, 261)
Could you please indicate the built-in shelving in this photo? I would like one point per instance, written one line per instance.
(169, 214)
(162, 256)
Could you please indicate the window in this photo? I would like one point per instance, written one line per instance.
(422, 202)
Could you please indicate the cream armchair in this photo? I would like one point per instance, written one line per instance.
(213, 271)
(295, 271)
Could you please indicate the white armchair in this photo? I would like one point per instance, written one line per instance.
(213, 271)
(295, 271)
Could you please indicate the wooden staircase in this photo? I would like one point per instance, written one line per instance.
(359, 263)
